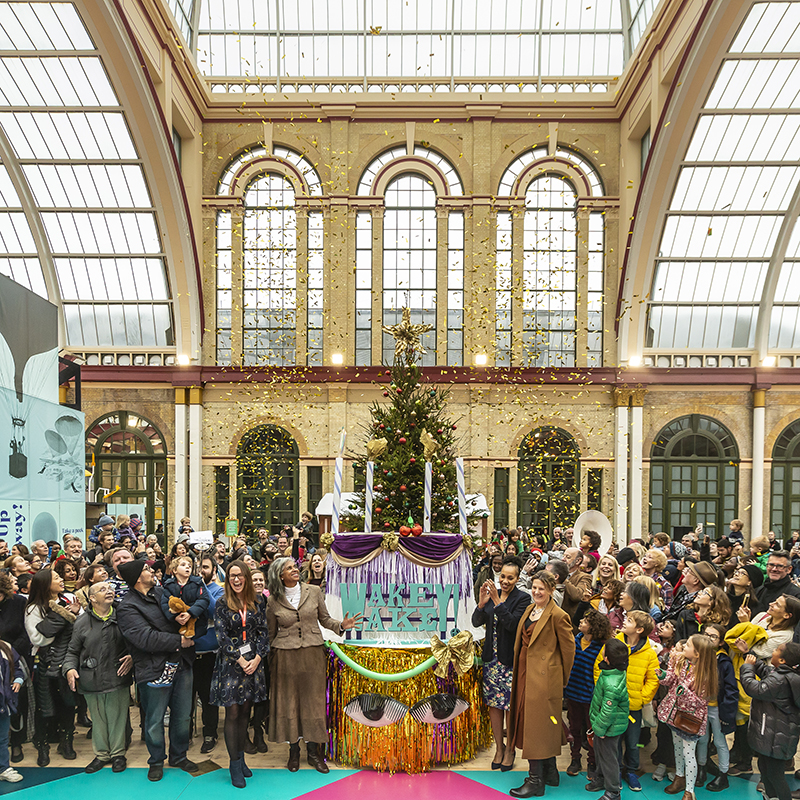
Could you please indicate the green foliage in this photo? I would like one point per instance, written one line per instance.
(399, 480)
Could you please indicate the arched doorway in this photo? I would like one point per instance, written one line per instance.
(548, 483)
(785, 513)
(130, 453)
(694, 472)
(267, 472)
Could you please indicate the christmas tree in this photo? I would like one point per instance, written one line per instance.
(401, 437)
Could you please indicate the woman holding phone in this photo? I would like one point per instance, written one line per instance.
(743, 590)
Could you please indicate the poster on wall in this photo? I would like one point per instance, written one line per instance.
(41, 442)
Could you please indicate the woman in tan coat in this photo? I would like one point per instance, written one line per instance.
(543, 656)
(297, 662)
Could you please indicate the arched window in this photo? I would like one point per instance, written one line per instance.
(130, 461)
(409, 260)
(270, 272)
(554, 251)
(267, 473)
(549, 275)
(548, 482)
(786, 482)
(694, 470)
(402, 248)
(270, 260)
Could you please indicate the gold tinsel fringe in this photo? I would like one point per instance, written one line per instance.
(407, 746)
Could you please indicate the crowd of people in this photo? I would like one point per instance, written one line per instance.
(85, 634)
(693, 645)
(694, 642)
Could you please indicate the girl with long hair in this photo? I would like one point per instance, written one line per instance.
(691, 680)
(238, 680)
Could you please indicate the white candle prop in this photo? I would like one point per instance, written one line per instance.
(462, 497)
(342, 440)
(337, 495)
(426, 519)
(368, 499)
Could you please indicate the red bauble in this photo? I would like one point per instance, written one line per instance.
(386, 472)
(454, 427)
(387, 525)
(378, 510)
(382, 426)
(402, 440)
(412, 460)
(403, 488)
(405, 530)
(410, 424)
(399, 390)
(440, 431)
(386, 394)
(417, 529)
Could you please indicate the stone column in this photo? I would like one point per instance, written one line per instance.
(636, 436)
(757, 487)
(620, 521)
(196, 457)
(181, 504)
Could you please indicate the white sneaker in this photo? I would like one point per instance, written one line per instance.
(661, 771)
(10, 775)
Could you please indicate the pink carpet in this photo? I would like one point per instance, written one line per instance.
(430, 786)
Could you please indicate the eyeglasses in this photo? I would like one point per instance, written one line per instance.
(778, 566)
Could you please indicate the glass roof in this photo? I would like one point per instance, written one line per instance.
(357, 42)
(734, 203)
(74, 202)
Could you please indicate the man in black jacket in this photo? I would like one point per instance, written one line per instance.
(153, 640)
(779, 578)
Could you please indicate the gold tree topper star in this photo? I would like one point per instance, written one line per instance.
(407, 337)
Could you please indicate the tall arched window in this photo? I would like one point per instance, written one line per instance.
(270, 272)
(414, 232)
(130, 458)
(785, 516)
(270, 260)
(409, 259)
(549, 275)
(549, 262)
(548, 482)
(267, 473)
(694, 469)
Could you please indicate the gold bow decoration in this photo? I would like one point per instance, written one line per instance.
(326, 540)
(459, 651)
(468, 541)
(390, 541)
(429, 444)
(376, 448)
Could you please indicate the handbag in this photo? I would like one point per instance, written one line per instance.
(687, 713)
(649, 716)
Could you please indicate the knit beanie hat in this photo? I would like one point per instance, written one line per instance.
(755, 574)
(131, 570)
(105, 520)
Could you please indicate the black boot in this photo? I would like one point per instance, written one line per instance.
(719, 783)
(258, 740)
(702, 775)
(65, 745)
(316, 757)
(550, 770)
(294, 757)
(249, 747)
(533, 785)
(44, 754)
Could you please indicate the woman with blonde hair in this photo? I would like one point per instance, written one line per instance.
(607, 570)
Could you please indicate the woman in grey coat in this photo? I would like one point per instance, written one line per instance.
(98, 666)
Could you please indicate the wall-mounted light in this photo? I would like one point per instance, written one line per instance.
(635, 361)
(480, 359)
(768, 361)
(337, 359)
(183, 360)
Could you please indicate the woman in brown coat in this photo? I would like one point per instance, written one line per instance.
(543, 656)
(297, 662)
